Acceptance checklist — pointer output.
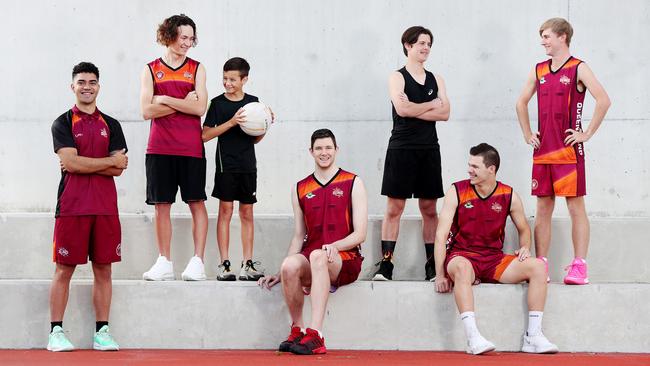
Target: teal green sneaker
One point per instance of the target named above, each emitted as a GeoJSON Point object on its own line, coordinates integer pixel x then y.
{"type": "Point", "coordinates": [58, 342]}
{"type": "Point", "coordinates": [103, 340]}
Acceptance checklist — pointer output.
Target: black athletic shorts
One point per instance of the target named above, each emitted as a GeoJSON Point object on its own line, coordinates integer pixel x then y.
{"type": "Point", "coordinates": [240, 187]}
{"type": "Point", "coordinates": [165, 173]}
{"type": "Point", "coordinates": [412, 173]}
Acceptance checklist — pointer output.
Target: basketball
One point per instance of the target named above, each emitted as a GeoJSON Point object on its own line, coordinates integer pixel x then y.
{"type": "Point", "coordinates": [258, 119]}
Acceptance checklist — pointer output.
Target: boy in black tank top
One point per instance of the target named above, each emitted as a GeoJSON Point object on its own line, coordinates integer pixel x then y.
{"type": "Point", "coordinates": [412, 166]}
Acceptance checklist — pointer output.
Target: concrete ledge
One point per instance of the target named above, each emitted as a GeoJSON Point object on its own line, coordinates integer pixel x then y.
{"type": "Point", "coordinates": [364, 315]}
{"type": "Point", "coordinates": [617, 253]}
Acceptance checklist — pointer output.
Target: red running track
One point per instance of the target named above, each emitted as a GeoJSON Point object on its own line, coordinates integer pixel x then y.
{"type": "Point", "coordinates": [352, 358]}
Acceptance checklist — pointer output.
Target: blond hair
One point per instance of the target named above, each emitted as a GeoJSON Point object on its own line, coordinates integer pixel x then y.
{"type": "Point", "coordinates": [558, 26]}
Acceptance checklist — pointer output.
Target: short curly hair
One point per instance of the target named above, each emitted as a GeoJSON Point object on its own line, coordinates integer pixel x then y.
{"type": "Point", "coordinates": [168, 29]}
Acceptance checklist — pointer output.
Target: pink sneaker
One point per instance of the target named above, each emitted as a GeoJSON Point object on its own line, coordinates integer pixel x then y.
{"type": "Point", "coordinates": [577, 272]}
{"type": "Point", "coordinates": [545, 260]}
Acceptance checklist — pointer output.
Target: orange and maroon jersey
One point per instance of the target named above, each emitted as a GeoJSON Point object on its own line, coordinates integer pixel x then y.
{"type": "Point", "coordinates": [177, 133]}
{"type": "Point", "coordinates": [94, 136]}
{"type": "Point", "coordinates": [327, 211]}
{"type": "Point", "coordinates": [559, 104]}
{"type": "Point", "coordinates": [479, 223]}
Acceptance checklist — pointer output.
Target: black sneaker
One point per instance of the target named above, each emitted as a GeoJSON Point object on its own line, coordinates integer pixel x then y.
{"type": "Point", "coordinates": [294, 337]}
{"type": "Point", "coordinates": [224, 273]}
{"type": "Point", "coordinates": [430, 270]}
{"type": "Point", "coordinates": [385, 272]}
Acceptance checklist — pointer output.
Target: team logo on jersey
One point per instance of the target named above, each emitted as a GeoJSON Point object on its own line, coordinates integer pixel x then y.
{"type": "Point", "coordinates": [118, 250]}
{"type": "Point", "coordinates": [310, 195]}
{"type": "Point", "coordinates": [79, 135]}
{"type": "Point", "coordinates": [103, 133]}
{"type": "Point", "coordinates": [430, 92]}
{"type": "Point", "coordinates": [496, 207]}
{"type": "Point", "coordinates": [535, 184]}
{"type": "Point", "coordinates": [469, 205]}
{"type": "Point", "coordinates": [565, 80]}
{"type": "Point", "coordinates": [337, 192]}
{"type": "Point", "coordinates": [187, 75]}
{"type": "Point", "coordinates": [63, 252]}
{"type": "Point", "coordinates": [542, 80]}
{"type": "Point", "coordinates": [160, 74]}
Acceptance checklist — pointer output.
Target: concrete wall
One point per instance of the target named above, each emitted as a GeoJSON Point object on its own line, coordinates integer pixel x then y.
{"type": "Point", "coordinates": [327, 66]}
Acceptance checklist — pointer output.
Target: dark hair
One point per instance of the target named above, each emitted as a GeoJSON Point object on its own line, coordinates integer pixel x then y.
{"type": "Point", "coordinates": [489, 154]}
{"type": "Point", "coordinates": [412, 34]}
{"type": "Point", "coordinates": [237, 64]}
{"type": "Point", "coordinates": [322, 133]}
{"type": "Point", "coordinates": [168, 29]}
{"type": "Point", "coordinates": [85, 67]}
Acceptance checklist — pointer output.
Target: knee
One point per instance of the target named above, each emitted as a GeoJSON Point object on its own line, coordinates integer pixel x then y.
{"type": "Point", "coordinates": [394, 211]}
{"type": "Point", "coordinates": [462, 272]}
{"type": "Point", "coordinates": [102, 272]}
{"type": "Point", "coordinates": [290, 268]}
{"type": "Point", "coordinates": [536, 268]}
{"type": "Point", "coordinates": [575, 208]}
{"type": "Point", "coordinates": [318, 259]}
{"type": "Point", "coordinates": [163, 208]}
{"type": "Point", "coordinates": [64, 273]}
{"type": "Point", "coordinates": [246, 213]}
{"type": "Point", "coordinates": [429, 210]}
{"type": "Point", "coordinates": [225, 211]}
{"type": "Point", "coordinates": [545, 206]}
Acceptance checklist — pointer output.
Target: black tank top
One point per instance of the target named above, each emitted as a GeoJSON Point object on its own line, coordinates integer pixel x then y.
{"type": "Point", "coordinates": [410, 132]}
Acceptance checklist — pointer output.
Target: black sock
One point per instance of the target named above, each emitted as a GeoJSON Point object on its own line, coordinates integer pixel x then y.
{"type": "Point", "coordinates": [387, 248]}
{"type": "Point", "coordinates": [54, 324]}
{"type": "Point", "coordinates": [99, 325]}
{"type": "Point", "coordinates": [428, 247]}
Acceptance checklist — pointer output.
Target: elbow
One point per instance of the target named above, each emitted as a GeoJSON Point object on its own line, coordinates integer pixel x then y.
{"type": "Point", "coordinates": [402, 112]}
{"type": "Point", "coordinates": [445, 117]}
{"type": "Point", "coordinates": [146, 115]}
{"type": "Point", "coordinates": [606, 103]}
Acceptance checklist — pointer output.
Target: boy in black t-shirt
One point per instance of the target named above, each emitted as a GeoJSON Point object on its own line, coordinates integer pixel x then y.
{"type": "Point", "coordinates": [235, 178]}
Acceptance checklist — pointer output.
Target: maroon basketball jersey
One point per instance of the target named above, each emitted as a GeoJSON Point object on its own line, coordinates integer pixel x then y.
{"type": "Point", "coordinates": [560, 106]}
{"type": "Point", "coordinates": [327, 211]}
{"type": "Point", "coordinates": [479, 223]}
{"type": "Point", "coordinates": [177, 133]}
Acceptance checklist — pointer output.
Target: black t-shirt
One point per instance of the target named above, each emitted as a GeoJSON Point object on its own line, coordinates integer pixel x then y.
{"type": "Point", "coordinates": [235, 149]}
{"type": "Point", "coordinates": [410, 132]}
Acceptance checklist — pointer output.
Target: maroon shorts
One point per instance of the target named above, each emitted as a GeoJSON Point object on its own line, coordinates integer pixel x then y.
{"type": "Point", "coordinates": [76, 238]}
{"type": "Point", "coordinates": [350, 269]}
{"type": "Point", "coordinates": [487, 268]}
{"type": "Point", "coordinates": [566, 180]}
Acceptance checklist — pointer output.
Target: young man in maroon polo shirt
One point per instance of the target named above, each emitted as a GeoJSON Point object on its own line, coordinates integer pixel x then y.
{"type": "Point", "coordinates": [330, 209]}
{"type": "Point", "coordinates": [92, 150]}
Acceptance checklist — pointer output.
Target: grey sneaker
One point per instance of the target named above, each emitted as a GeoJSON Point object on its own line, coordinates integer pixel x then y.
{"type": "Point", "coordinates": [224, 273]}
{"type": "Point", "coordinates": [248, 271]}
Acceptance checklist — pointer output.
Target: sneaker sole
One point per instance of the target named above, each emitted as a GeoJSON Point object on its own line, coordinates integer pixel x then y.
{"type": "Point", "coordinates": [98, 347]}
{"type": "Point", "coordinates": [163, 278]}
{"type": "Point", "coordinates": [59, 349]}
{"type": "Point", "coordinates": [576, 281]}
{"type": "Point", "coordinates": [229, 278]}
{"type": "Point", "coordinates": [380, 277]}
{"type": "Point", "coordinates": [246, 278]}
{"type": "Point", "coordinates": [530, 349]}
{"type": "Point", "coordinates": [482, 351]}
{"type": "Point", "coordinates": [188, 278]}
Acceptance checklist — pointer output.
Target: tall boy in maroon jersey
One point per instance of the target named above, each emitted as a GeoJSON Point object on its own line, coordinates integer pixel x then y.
{"type": "Point", "coordinates": [472, 225]}
{"type": "Point", "coordinates": [173, 95]}
{"type": "Point", "coordinates": [92, 150]}
{"type": "Point", "coordinates": [559, 157]}
{"type": "Point", "coordinates": [331, 217]}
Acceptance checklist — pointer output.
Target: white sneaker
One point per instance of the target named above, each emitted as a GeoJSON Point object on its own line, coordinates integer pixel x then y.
{"type": "Point", "coordinates": [162, 270]}
{"type": "Point", "coordinates": [538, 344]}
{"type": "Point", "coordinates": [478, 345]}
{"type": "Point", "coordinates": [195, 270]}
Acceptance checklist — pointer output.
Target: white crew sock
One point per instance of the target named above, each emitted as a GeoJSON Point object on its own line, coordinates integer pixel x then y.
{"type": "Point", "coordinates": [469, 321]}
{"type": "Point", "coordinates": [534, 323]}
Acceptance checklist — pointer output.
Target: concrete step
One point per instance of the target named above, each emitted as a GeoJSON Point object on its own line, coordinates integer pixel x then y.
{"type": "Point", "coordinates": [364, 315]}
{"type": "Point", "coordinates": [617, 253]}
